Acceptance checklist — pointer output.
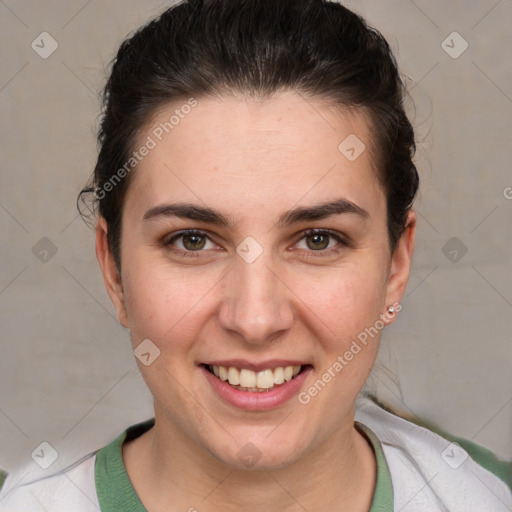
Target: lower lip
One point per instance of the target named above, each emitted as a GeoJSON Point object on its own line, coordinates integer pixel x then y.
{"type": "Point", "coordinates": [257, 400]}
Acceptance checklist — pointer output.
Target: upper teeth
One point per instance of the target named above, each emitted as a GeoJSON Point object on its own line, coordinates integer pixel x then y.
{"type": "Point", "coordinates": [266, 379]}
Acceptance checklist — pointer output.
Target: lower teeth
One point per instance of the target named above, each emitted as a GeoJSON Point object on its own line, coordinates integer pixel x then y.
{"type": "Point", "coordinates": [252, 390]}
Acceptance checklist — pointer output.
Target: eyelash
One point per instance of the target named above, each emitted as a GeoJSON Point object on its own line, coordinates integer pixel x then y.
{"type": "Point", "coordinates": [168, 242]}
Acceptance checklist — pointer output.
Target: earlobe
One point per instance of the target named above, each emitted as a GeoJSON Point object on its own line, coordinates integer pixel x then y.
{"type": "Point", "coordinates": [109, 270]}
{"type": "Point", "coordinates": [401, 265]}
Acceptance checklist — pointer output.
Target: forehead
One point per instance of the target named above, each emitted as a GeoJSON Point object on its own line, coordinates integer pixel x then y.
{"type": "Point", "coordinates": [234, 153]}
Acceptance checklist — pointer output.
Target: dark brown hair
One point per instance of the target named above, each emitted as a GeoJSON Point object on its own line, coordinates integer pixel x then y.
{"type": "Point", "coordinates": [257, 48]}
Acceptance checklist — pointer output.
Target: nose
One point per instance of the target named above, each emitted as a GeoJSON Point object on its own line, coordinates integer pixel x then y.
{"type": "Point", "coordinates": [256, 304]}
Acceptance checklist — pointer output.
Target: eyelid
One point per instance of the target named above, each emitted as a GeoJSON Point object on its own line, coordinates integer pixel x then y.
{"type": "Point", "coordinates": [167, 239]}
{"type": "Point", "coordinates": [323, 231]}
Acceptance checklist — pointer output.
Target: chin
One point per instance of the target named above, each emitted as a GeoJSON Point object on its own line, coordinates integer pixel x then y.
{"type": "Point", "coordinates": [259, 452]}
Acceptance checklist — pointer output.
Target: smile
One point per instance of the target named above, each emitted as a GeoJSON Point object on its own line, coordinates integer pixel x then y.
{"type": "Point", "coordinates": [244, 379]}
{"type": "Point", "coordinates": [256, 386]}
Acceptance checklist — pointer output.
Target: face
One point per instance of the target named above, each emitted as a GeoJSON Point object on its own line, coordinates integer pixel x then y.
{"type": "Point", "coordinates": [254, 248]}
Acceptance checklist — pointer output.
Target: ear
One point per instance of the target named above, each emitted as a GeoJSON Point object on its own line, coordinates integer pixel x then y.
{"type": "Point", "coordinates": [401, 260]}
{"type": "Point", "coordinates": [111, 276]}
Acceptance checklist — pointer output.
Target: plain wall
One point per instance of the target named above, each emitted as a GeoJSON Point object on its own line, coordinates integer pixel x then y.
{"type": "Point", "coordinates": [67, 373]}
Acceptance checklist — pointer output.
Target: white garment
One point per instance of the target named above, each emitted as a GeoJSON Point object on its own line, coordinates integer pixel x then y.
{"type": "Point", "coordinates": [72, 490]}
{"type": "Point", "coordinates": [423, 479]}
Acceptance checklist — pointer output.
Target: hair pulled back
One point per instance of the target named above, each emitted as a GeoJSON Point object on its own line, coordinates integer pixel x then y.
{"type": "Point", "coordinates": [256, 48]}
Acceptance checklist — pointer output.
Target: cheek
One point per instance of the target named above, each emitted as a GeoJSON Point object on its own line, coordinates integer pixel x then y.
{"type": "Point", "coordinates": [170, 305]}
{"type": "Point", "coordinates": [166, 303]}
{"type": "Point", "coordinates": [346, 300]}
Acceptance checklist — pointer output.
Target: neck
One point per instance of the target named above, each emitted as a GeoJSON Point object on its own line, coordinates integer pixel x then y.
{"type": "Point", "coordinates": [171, 472]}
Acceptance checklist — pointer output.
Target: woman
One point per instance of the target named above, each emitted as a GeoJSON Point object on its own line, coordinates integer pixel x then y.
{"type": "Point", "coordinates": [254, 188]}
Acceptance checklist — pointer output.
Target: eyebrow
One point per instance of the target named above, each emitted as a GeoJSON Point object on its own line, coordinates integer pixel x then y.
{"type": "Point", "coordinates": [294, 216]}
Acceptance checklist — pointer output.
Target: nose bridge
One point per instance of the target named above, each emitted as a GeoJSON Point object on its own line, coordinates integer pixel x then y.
{"type": "Point", "coordinates": [256, 304]}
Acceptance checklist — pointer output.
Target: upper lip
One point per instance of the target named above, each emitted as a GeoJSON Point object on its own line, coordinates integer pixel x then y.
{"type": "Point", "coordinates": [255, 367]}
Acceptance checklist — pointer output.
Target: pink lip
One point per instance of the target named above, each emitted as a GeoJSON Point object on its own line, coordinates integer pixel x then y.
{"type": "Point", "coordinates": [256, 401]}
{"type": "Point", "coordinates": [255, 367]}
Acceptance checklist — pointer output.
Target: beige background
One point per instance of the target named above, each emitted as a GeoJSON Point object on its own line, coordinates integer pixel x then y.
{"type": "Point", "coordinates": [67, 374]}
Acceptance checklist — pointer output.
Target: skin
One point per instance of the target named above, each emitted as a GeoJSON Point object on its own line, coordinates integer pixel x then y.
{"type": "Point", "coordinates": [253, 161]}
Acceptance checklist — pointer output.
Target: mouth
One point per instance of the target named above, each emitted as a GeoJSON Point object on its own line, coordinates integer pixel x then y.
{"type": "Point", "coordinates": [245, 379]}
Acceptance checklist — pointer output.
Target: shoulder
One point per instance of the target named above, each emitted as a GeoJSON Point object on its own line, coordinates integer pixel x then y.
{"type": "Point", "coordinates": [432, 470]}
{"type": "Point", "coordinates": [70, 489]}
{"type": "Point", "coordinates": [96, 482]}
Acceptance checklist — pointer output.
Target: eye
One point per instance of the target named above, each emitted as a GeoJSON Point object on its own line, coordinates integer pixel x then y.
{"type": "Point", "coordinates": [194, 242]}
{"type": "Point", "coordinates": [320, 240]}
{"type": "Point", "coordinates": [190, 241]}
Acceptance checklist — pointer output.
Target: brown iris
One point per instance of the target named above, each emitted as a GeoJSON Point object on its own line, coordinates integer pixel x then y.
{"type": "Point", "coordinates": [319, 241]}
{"type": "Point", "coordinates": [193, 242]}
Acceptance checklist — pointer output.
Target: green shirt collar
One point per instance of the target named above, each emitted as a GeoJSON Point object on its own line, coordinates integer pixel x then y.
{"type": "Point", "coordinates": [115, 490]}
